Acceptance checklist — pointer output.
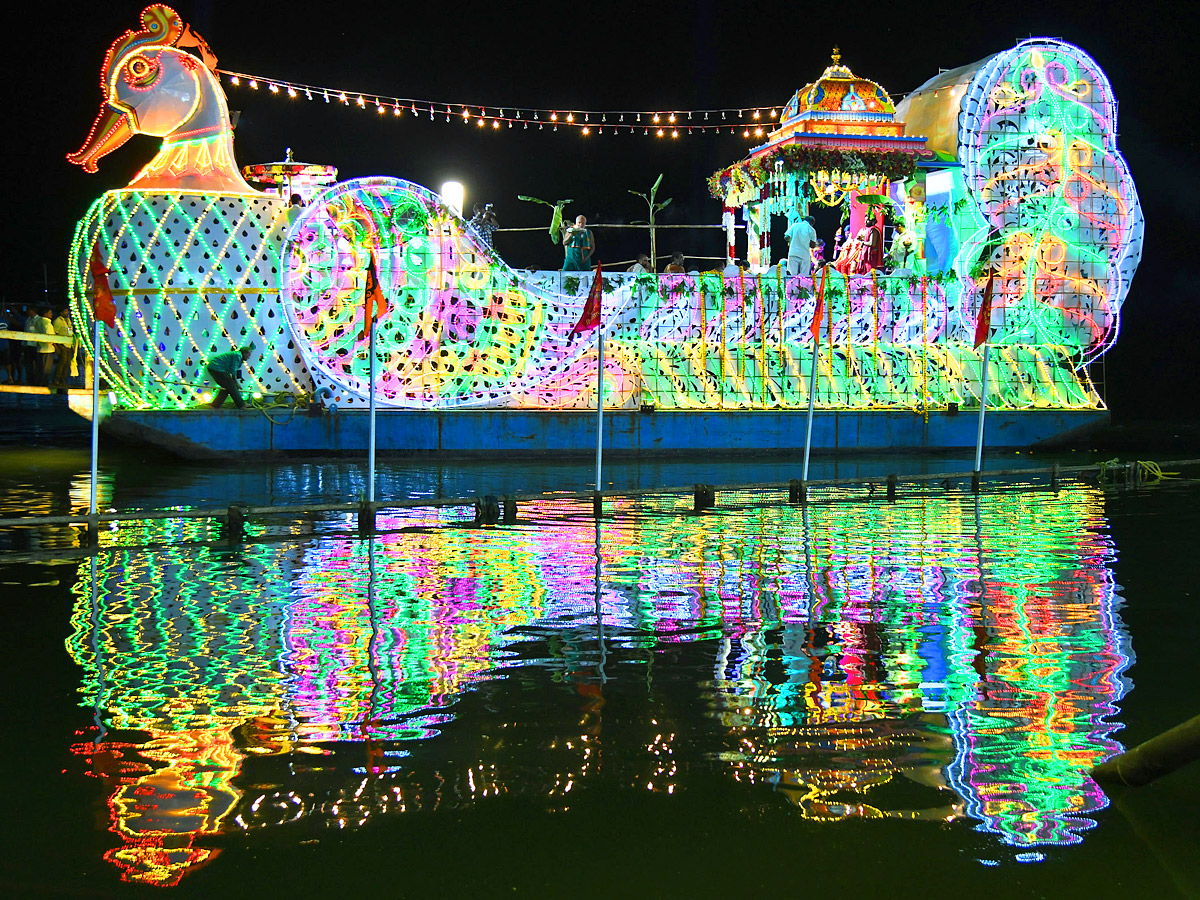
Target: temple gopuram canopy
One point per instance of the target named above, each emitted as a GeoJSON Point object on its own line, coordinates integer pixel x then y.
{"type": "Point", "coordinates": [836, 136]}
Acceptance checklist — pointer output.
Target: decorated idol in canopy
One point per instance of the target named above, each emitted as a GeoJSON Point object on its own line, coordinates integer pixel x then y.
{"type": "Point", "coordinates": [837, 138]}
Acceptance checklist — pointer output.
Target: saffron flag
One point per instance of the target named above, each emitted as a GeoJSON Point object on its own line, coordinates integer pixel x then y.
{"type": "Point", "coordinates": [189, 40]}
{"type": "Point", "coordinates": [103, 307]}
{"type": "Point", "coordinates": [819, 312]}
{"type": "Point", "coordinates": [374, 303]}
{"type": "Point", "coordinates": [983, 324]}
{"type": "Point", "coordinates": [591, 310]}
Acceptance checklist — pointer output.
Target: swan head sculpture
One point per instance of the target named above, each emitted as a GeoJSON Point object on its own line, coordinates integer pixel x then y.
{"type": "Point", "coordinates": [153, 86]}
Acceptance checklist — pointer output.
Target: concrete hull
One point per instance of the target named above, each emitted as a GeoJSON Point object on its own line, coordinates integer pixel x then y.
{"type": "Point", "coordinates": [206, 434]}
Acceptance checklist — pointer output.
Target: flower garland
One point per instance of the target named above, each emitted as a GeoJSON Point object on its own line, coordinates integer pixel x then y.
{"type": "Point", "coordinates": [889, 164]}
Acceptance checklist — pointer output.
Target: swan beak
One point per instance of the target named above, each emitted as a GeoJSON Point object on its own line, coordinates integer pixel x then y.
{"type": "Point", "coordinates": [112, 129]}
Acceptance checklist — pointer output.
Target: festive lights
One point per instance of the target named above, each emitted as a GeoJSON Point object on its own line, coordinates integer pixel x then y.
{"type": "Point", "coordinates": [201, 269]}
{"type": "Point", "coordinates": [1058, 219]}
{"type": "Point", "coordinates": [510, 114]}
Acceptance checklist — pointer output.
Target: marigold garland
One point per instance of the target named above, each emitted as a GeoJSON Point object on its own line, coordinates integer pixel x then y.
{"type": "Point", "coordinates": [890, 164]}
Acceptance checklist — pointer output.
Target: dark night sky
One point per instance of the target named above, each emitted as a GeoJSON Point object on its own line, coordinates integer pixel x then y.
{"type": "Point", "coordinates": [616, 55]}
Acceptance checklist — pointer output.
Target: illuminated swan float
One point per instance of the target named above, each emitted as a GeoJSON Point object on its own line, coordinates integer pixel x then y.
{"type": "Point", "coordinates": [202, 262]}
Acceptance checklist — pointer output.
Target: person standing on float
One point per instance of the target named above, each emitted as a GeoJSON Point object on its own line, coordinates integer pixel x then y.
{"type": "Point", "coordinates": [802, 237]}
{"type": "Point", "coordinates": [577, 239]}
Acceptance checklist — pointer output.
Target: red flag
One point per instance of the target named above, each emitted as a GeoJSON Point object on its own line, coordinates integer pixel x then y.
{"type": "Point", "coordinates": [103, 307]}
{"type": "Point", "coordinates": [983, 324]}
{"type": "Point", "coordinates": [591, 310]}
{"type": "Point", "coordinates": [819, 313]}
{"type": "Point", "coordinates": [374, 303]}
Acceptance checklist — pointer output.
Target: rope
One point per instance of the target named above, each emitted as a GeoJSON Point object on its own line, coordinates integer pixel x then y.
{"type": "Point", "coordinates": [279, 400]}
{"type": "Point", "coordinates": [1149, 472]}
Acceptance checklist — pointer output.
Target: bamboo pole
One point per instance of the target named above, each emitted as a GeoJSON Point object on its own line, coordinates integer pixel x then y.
{"type": "Point", "coordinates": [1156, 757]}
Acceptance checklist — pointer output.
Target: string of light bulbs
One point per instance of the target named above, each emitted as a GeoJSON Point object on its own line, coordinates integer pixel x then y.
{"type": "Point", "coordinates": [750, 121]}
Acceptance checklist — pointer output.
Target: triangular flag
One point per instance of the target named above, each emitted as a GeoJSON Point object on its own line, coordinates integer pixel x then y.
{"type": "Point", "coordinates": [103, 307]}
{"type": "Point", "coordinates": [819, 313]}
{"type": "Point", "coordinates": [190, 40]}
{"type": "Point", "coordinates": [591, 310]}
{"type": "Point", "coordinates": [374, 303]}
{"type": "Point", "coordinates": [983, 324]}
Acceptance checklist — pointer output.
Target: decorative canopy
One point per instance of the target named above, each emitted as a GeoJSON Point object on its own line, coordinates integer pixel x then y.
{"type": "Point", "coordinates": [839, 132]}
{"type": "Point", "coordinates": [837, 98]}
{"type": "Point", "coordinates": [287, 175]}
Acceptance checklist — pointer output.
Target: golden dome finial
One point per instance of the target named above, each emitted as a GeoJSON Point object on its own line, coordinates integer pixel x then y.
{"type": "Point", "coordinates": [837, 56]}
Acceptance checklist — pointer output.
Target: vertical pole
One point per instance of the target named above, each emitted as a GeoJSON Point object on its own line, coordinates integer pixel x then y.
{"type": "Point", "coordinates": [371, 438]}
{"type": "Point", "coordinates": [812, 396]}
{"type": "Point", "coordinates": [724, 346]}
{"type": "Point", "coordinates": [875, 314]}
{"type": "Point", "coordinates": [983, 380]}
{"type": "Point", "coordinates": [101, 688]}
{"type": "Point", "coordinates": [782, 303]}
{"type": "Point", "coordinates": [730, 247]}
{"type": "Point", "coordinates": [600, 398]}
{"type": "Point", "coordinates": [762, 338]}
{"type": "Point", "coordinates": [95, 415]}
{"type": "Point", "coordinates": [925, 354]}
{"type": "Point", "coordinates": [599, 608]}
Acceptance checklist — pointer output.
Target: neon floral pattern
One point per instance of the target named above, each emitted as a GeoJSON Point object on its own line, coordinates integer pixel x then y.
{"type": "Point", "coordinates": [1060, 219]}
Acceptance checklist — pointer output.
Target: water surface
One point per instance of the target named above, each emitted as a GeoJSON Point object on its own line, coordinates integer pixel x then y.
{"type": "Point", "coordinates": [847, 696]}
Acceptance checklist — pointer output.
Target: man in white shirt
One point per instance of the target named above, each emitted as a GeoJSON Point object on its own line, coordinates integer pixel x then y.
{"type": "Point", "coordinates": [642, 266]}
{"type": "Point", "coordinates": [802, 237]}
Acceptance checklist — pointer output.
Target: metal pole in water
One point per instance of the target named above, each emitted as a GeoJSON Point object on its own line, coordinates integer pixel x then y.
{"type": "Point", "coordinates": [95, 415]}
{"type": "Point", "coordinates": [812, 396]}
{"type": "Point", "coordinates": [599, 401]}
{"type": "Point", "coordinates": [982, 410]}
{"type": "Point", "coordinates": [101, 689]}
{"type": "Point", "coordinates": [816, 353]}
{"type": "Point", "coordinates": [599, 608]}
{"type": "Point", "coordinates": [371, 438]}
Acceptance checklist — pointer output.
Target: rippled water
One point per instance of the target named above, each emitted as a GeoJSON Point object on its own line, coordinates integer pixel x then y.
{"type": "Point", "coordinates": [851, 693]}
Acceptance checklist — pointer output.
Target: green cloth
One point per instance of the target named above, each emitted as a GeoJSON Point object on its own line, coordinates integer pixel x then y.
{"type": "Point", "coordinates": [225, 363]}
{"type": "Point", "coordinates": [579, 246]}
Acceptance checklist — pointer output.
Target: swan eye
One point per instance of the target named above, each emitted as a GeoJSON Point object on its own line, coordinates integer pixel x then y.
{"type": "Point", "coordinates": [140, 71]}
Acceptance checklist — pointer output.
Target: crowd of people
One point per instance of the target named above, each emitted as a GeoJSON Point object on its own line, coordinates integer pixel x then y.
{"type": "Point", "coordinates": [853, 254]}
{"type": "Point", "coordinates": [38, 363]}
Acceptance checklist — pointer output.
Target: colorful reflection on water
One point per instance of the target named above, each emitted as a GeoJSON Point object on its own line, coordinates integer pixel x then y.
{"type": "Point", "coordinates": [946, 658]}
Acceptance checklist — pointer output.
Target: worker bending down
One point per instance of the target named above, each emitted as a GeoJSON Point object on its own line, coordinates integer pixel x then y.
{"type": "Point", "coordinates": [223, 369]}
